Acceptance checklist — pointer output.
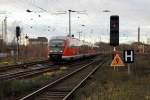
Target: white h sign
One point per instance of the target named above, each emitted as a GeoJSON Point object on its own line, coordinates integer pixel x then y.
{"type": "Point", "coordinates": [128, 56]}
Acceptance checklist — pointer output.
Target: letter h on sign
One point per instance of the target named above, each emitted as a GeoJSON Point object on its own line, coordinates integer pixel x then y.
{"type": "Point", "coordinates": [128, 56]}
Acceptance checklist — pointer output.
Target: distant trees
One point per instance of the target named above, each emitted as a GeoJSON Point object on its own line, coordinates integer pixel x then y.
{"type": "Point", "coordinates": [105, 47]}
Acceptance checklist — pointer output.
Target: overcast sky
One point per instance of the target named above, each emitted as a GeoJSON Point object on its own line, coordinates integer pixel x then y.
{"type": "Point", "coordinates": [132, 13]}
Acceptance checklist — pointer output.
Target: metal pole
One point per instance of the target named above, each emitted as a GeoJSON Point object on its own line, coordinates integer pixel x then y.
{"type": "Point", "coordinates": [79, 35]}
{"type": "Point", "coordinates": [139, 34]}
{"type": "Point", "coordinates": [20, 49]}
{"type": "Point", "coordinates": [129, 70]}
{"type": "Point", "coordinates": [17, 48]}
{"type": "Point", "coordinates": [26, 39]}
{"type": "Point", "coordinates": [114, 68]}
{"type": "Point", "coordinates": [5, 28]}
{"type": "Point", "coordinates": [84, 36]}
{"type": "Point", "coordinates": [69, 23]}
{"type": "Point", "coordinates": [2, 35]}
{"type": "Point", "coordinates": [2, 29]}
{"type": "Point", "coordinates": [114, 52]}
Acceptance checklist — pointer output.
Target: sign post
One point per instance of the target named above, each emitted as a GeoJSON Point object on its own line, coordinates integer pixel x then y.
{"type": "Point", "coordinates": [129, 70]}
{"type": "Point", "coordinates": [128, 56]}
{"type": "Point", "coordinates": [114, 40]}
{"type": "Point", "coordinates": [18, 32]}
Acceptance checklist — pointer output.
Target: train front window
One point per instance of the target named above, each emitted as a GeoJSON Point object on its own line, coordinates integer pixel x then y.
{"type": "Point", "coordinates": [57, 45]}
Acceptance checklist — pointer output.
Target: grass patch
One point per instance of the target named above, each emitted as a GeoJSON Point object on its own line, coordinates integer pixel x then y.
{"type": "Point", "coordinates": [108, 84]}
{"type": "Point", "coordinates": [131, 89]}
{"type": "Point", "coordinates": [18, 87]}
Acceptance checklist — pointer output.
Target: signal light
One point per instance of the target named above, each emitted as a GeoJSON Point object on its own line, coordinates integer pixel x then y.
{"type": "Point", "coordinates": [114, 30]}
{"type": "Point", "coordinates": [28, 10]}
{"type": "Point", "coordinates": [18, 31]}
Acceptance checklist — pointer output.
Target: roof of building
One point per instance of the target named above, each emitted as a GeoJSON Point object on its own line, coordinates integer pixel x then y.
{"type": "Point", "coordinates": [43, 39]}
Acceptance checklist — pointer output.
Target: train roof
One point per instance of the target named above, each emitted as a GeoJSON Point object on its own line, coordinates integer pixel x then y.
{"type": "Point", "coordinates": [59, 37]}
{"type": "Point", "coordinates": [72, 38]}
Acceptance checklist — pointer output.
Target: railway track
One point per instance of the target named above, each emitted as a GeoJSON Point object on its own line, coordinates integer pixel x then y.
{"type": "Point", "coordinates": [11, 67]}
{"type": "Point", "coordinates": [63, 88]}
{"type": "Point", "coordinates": [26, 73]}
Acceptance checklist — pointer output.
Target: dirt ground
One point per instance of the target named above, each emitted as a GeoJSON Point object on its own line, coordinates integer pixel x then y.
{"type": "Point", "coordinates": [110, 84]}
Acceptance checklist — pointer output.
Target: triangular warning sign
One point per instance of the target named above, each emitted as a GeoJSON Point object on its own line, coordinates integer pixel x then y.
{"type": "Point", "coordinates": [117, 61]}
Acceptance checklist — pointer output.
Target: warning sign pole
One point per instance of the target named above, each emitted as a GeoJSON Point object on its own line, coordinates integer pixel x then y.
{"type": "Point", "coordinates": [114, 68]}
{"type": "Point", "coordinates": [114, 54]}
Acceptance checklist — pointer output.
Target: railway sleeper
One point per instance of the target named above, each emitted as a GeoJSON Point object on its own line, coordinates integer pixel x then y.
{"type": "Point", "coordinates": [54, 93]}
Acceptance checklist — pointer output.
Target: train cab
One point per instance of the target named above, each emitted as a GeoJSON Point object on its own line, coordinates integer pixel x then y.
{"type": "Point", "coordinates": [56, 48]}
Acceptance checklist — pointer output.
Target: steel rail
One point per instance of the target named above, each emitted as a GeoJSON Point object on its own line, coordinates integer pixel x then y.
{"type": "Point", "coordinates": [26, 73]}
{"type": "Point", "coordinates": [67, 97]}
{"type": "Point", "coordinates": [5, 68]}
{"type": "Point", "coordinates": [31, 95]}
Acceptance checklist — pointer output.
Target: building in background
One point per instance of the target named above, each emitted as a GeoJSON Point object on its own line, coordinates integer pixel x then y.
{"type": "Point", "coordinates": [37, 47]}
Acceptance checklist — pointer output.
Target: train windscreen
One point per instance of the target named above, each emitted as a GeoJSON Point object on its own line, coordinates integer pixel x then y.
{"type": "Point", "coordinates": [56, 45]}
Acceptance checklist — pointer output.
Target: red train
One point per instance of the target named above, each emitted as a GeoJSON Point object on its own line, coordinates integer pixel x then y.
{"type": "Point", "coordinates": [69, 48]}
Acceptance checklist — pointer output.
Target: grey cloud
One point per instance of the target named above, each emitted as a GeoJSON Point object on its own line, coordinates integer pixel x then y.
{"type": "Point", "coordinates": [133, 13]}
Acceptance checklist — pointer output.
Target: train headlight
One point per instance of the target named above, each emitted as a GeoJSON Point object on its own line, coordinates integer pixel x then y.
{"type": "Point", "coordinates": [50, 51]}
{"type": "Point", "coordinates": [61, 51]}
